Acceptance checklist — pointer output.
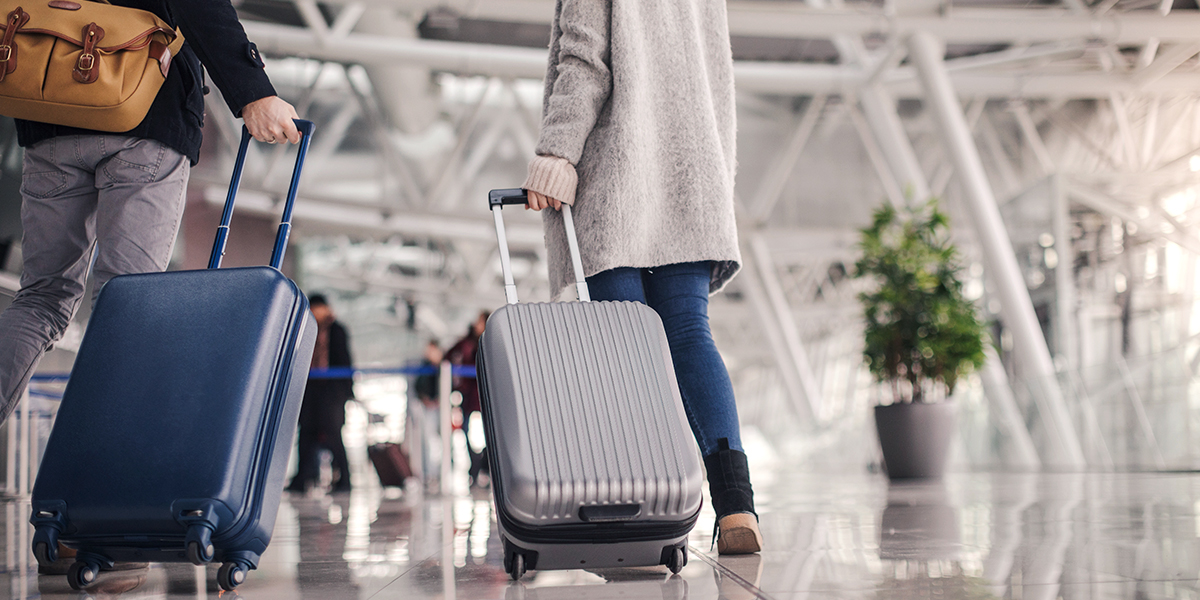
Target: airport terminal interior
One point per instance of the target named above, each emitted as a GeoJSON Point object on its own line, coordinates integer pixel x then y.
{"type": "Point", "coordinates": [1060, 137]}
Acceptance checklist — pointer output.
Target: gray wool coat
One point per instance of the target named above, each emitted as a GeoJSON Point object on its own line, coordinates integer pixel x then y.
{"type": "Point", "coordinates": [640, 101]}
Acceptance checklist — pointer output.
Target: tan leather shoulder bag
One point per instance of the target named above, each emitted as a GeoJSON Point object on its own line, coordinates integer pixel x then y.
{"type": "Point", "coordinates": [82, 64]}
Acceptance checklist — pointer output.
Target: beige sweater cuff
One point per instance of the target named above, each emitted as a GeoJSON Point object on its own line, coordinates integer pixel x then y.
{"type": "Point", "coordinates": [552, 176]}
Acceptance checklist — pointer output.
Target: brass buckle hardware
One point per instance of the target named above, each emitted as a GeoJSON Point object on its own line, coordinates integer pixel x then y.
{"type": "Point", "coordinates": [5, 53]}
{"type": "Point", "coordinates": [86, 62]}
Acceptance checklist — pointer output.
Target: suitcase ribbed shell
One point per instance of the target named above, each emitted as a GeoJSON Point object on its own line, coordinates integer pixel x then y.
{"type": "Point", "coordinates": [586, 412]}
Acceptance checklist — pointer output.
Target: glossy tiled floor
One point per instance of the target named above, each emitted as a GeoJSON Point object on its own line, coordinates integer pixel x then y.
{"type": "Point", "coordinates": [974, 536]}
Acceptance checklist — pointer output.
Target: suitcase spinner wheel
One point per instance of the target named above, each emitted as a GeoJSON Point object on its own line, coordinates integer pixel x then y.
{"type": "Point", "coordinates": [678, 559]}
{"type": "Point", "coordinates": [41, 552]}
{"type": "Point", "coordinates": [518, 567]}
{"type": "Point", "coordinates": [82, 574]}
{"type": "Point", "coordinates": [514, 562]}
{"type": "Point", "coordinates": [231, 575]}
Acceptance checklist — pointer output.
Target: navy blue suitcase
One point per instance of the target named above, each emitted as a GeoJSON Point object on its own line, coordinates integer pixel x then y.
{"type": "Point", "coordinates": [172, 440]}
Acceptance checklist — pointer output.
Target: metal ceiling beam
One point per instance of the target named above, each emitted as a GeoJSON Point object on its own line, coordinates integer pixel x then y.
{"type": "Point", "coordinates": [761, 77]}
{"type": "Point", "coordinates": [962, 25]}
{"type": "Point", "coordinates": [362, 48]}
{"type": "Point", "coordinates": [791, 20]}
{"type": "Point", "coordinates": [787, 245]}
{"type": "Point", "coordinates": [365, 219]}
{"type": "Point", "coordinates": [807, 79]}
{"type": "Point", "coordinates": [1167, 62]}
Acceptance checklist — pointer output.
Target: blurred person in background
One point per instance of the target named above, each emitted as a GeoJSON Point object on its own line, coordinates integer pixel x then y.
{"type": "Point", "coordinates": [323, 412]}
{"type": "Point", "coordinates": [462, 353]}
{"type": "Point", "coordinates": [427, 390]}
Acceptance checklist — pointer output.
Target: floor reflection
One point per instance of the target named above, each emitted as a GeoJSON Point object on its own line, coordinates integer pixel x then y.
{"type": "Point", "coordinates": [846, 536]}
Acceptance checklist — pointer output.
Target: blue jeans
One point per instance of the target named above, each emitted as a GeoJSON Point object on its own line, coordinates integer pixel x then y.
{"type": "Point", "coordinates": [679, 294]}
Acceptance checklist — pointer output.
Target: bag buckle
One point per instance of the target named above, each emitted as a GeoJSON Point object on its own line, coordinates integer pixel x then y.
{"type": "Point", "coordinates": [86, 62]}
{"type": "Point", "coordinates": [5, 53]}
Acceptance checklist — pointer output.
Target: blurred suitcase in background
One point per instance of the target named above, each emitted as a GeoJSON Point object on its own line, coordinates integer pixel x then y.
{"type": "Point", "coordinates": [391, 462]}
{"type": "Point", "coordinates": [593, 462]}
{"type": "Point", "coordinates": [176, 425]}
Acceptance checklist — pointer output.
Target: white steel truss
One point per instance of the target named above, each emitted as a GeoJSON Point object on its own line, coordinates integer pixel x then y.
{"type": "Point", "coordinates": [1101, 100]}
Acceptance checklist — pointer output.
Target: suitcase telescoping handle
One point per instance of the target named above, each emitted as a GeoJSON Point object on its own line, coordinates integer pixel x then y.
{"type": "Point", "coordinates": [285, 224]}
{"type": "Point", "coordinates": [496, 201]}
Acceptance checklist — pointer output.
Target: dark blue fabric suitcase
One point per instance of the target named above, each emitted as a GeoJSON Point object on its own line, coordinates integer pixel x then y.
{"type": "Point", "coordinates": [173, 436]}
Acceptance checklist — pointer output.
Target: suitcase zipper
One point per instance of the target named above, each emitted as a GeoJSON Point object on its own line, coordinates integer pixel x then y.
{"type": "Point", "coordinates": [597, 533]}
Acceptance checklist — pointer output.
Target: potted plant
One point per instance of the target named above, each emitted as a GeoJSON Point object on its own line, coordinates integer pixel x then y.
{"type": "Point", "coordinates": [921, 334]}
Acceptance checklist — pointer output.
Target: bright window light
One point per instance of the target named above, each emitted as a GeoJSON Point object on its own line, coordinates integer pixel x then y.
{"type": "Point", "coordinates": [1178, 204]}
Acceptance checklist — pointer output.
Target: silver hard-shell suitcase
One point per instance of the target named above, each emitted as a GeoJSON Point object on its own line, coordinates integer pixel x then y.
{"type": "Point", "coordinates": [592, 460]}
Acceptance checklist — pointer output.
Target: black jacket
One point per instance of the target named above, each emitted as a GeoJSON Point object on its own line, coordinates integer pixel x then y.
{"type": "Point", "coordinates": [214, 37]}
{"type": "Point", "coordinates": [324, 405]}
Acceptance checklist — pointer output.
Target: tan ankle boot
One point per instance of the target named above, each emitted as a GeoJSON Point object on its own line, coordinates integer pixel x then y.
{"type": "Point", "coordinates": [739, 534]}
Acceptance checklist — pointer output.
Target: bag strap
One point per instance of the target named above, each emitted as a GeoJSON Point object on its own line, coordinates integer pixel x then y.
{"type": "Point", "coordinates": [85, 68]}
{"type": "Point", "coordinates": [163, 53]}
{"type": "Point", "coordinates": [8, 46]}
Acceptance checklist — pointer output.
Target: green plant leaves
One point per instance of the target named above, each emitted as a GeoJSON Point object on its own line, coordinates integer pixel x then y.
{"type": "Point", "coordinates": [919, 327]}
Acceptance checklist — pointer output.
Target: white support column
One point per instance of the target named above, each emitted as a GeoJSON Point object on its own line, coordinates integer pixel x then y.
{"type": "Point", "coordinates": [1065, 333]}
{"type": "Point", "coordinates": [1150, 133]}
{"type": "Point", "coordinates": [1029, 130]}
{"type": "Point", "coordinates": [794, 363]}
{"type": "Point", "coordinates": [980, 202]}
{"type": "Point", "coordinates": [880, 110]}
{"type": "Point", "coordinates": [771, 188]}
{"type": "Point", "coordinates": [750, 283]}
{"type": "Point", "coordinates": [886, 177]}
{"type": "Point", "coordinates": [445, 386]}
{"type": "Point", "coordinates": [25, 486]}
{"type": "Point", "coordinates": [10, 535]}
{"type": "Point", "coordinates": [1003, 406]}
{"type": "Point", "coordinates": [405, 91]}
{"type": "Point", "coordinates": [1121, 114]}
{"type": "Point", "coordinates": [879, 106]}
{"type": "Point", "coordinates": [12, 432]}
{"type": "Point", "coordinates": [1000, 157]}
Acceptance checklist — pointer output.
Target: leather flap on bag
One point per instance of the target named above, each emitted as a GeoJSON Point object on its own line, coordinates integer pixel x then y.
{"type": "Point", "coordinates": [124, 28]}
{"type": "Point", "coordinates": [86, 68]}
{"type": "Point", "coordinates": [16, 19]}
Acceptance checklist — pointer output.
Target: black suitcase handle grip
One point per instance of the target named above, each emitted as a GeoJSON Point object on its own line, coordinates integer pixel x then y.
{"type": "Point", "coordinates": [285, 223]}
{"type": "Point", "coordinates": [496, 201]}
{"type": "Point", "coordinates": [507, 196]}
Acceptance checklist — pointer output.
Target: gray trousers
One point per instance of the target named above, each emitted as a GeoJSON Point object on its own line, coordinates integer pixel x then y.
{"type": "Point", "coordinates": [110, 199]}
